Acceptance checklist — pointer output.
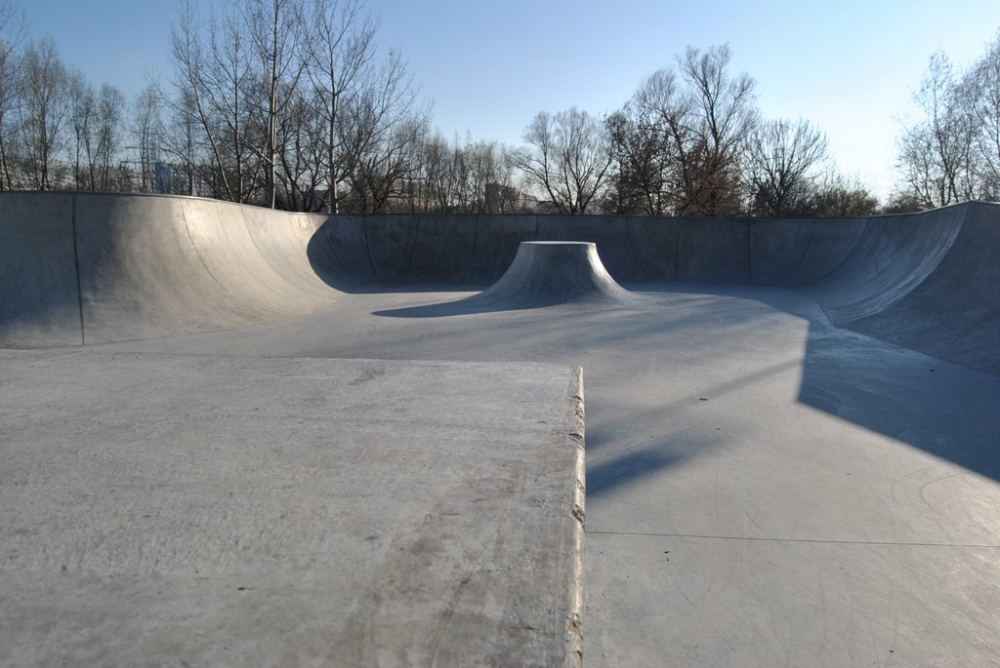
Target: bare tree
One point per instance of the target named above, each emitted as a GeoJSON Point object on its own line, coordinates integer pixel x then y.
{"type": "Point", "coordinates": [12, 31]}
{"type": "Point", "coordinates": [299, 173]}
{"type": "Point", "coordinates": [147, 128]}
{"type": "Point", "coordinates": [710, 139]}
{"type": "Point", "coordinates": [680, 143]}
{"type": "Point", "coordinates": [341, 49]}
{"type": "Point", "coordinates": [983, 84]}
{"type": "Point", "coordinates": [214, 83]}
{"type": "Point", "coordinates": [936, 154]}
{"type": "Point", "coordinates": [474, 177]}
{"type": "Point", "coordinates": [109, 136]}
{"type": "Point", "coordinates": [569, 158]}
{"type": "Point", "coordinates": [275, 30]}
{"type": "Point", "coordinates": [45, 109]}
{"type": "Point", "coordinates": [382, 132]}
{"type": "Point", "coordinates": [644, 160]}
{"type": "Point", "coordinates": [833, 194]}
{"type": "Point", "coordinates": [284, 102]}
{"type": "Point", "coordinates": [82, 103]}
{"type": "Point", "coordinates": [490, 167]}
{"type": "Point", "coordinates": [780, 157]}
{"type": "Point", "coordinates": [441, 183]}
{"type": "Point", "coordinates": [97, 119]}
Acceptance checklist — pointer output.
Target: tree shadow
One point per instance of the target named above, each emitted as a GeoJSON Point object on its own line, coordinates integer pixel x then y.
{"type": "Point", "coordinates": [629, 468]}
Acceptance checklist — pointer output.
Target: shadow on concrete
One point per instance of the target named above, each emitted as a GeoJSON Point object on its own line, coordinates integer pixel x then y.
{"type": "Point", "coordinates": [608, 471]}
{"type": "Point", "coordinates": [943, 409]}
{"type": "Point", "coordinates": [467, 306]}
{"type": "Point", "coordinates": [483, 303]}
{"type": "Point", "coordinates": [630, 467]}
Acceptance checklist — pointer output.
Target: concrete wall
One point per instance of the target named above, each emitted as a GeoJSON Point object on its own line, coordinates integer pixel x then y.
{"type": "Point", "coordinates": [86, 268]}
{"type": "Point", "coordinates": [92, 268]}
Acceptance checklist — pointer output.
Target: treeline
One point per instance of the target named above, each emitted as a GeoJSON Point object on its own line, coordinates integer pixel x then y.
{"type": "Point", "coordinates": [951, 153]}
{"type": "Point", "coordinates": [56, 129]}
{"type": "Point", "coordinates": [291, 104]}
{"type": "Point", "coordinates": [690, 141]}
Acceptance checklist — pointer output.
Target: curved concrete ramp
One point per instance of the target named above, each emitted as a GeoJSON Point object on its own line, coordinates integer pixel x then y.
{"type": "Point", "coordinates": [39, 288]}
{"type": "Point", "coordinates": [91, 268]}
{"type": "Point", "coordinates": [953, 311]}
{"type": "Point", "coordinates": [543, 273]}
{"type": "Point", "coordinates": [925, 281]}
{"type": "Point", "coordinates": [555, 272]}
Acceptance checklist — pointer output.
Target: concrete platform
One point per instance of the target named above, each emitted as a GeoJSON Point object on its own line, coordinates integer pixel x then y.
{"type": "Point", "coordinates": [232, 511]}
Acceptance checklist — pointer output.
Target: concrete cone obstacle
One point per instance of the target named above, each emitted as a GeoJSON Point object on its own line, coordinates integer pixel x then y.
{"type": "Point", "coordinates": [545, 273]}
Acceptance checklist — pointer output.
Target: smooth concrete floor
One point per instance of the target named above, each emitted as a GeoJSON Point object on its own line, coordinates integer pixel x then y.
{"type": "Point", "coordinates": [763, 489]}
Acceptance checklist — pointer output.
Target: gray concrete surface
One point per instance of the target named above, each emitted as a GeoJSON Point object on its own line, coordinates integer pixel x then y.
{"type": "Point", "coordinates": [206, 511]}
{"type": "Point", "coordinates": [765, 487]}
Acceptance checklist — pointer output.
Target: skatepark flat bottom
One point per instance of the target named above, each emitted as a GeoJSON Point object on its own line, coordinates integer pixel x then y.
{"type": "Point", "coordinates": [763, 488]}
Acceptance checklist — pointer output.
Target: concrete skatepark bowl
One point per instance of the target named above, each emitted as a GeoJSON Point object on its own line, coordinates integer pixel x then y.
{"type": "Point", "coordinates": [232, 436]}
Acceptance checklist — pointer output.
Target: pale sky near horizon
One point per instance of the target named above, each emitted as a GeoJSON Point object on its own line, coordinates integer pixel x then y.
{"type": "Point", "coordinates": [849, 67]}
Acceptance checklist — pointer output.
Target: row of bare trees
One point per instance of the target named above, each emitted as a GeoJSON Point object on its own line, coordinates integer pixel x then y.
{"type": "Point", "coordinates": [56, 129]}
{"type": "Point", "coordinates": [286, 103]}
{"type": "Point", "coordinates": [273, 102]}
{"type": "Point", "coordinates": [290, 104]}
{"type": "Point", "coordinates": [951, 153]}
{"type": "Point", "coordinates": [690, 141]}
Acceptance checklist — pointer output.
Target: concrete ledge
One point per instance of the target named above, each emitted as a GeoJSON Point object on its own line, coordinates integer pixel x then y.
{"type": "Point", "coordinates": [160, 509]}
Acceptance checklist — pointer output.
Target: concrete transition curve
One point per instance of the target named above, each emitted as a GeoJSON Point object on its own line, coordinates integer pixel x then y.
{"type": "Point", "coordinates": [81, 268]}
{"type": "Point", "coordinates": [546, 273]}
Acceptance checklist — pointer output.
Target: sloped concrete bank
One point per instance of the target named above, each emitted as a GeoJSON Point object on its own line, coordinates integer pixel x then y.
{"type": "Point", "coordinates": [81, 268]}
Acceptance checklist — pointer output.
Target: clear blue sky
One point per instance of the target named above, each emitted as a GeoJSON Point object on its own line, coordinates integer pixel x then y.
{"type": "Point", "coordinates": [848, 66]}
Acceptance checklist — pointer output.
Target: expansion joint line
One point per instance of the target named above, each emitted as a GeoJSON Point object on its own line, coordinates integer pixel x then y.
{"type": "Point", "coordinates": [76, 264]}
{"type": "Point", "coordinates": [794, 540]}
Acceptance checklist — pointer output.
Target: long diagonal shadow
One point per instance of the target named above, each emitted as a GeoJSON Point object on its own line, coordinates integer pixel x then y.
{"type": "Point", "coordinates": [945, 410]}
{"type": "Point", "coordinates": [940, 408]}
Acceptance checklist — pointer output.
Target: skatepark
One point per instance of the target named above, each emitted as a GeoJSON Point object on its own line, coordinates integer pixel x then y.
{"type": "Point", "coordinates": [235, 436]}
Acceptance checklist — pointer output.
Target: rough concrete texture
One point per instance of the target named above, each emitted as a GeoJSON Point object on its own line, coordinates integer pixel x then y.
{"type": "Point", "coordinates": [764, 486]}
{"type": "Point", "coordinates": [176, 510]}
